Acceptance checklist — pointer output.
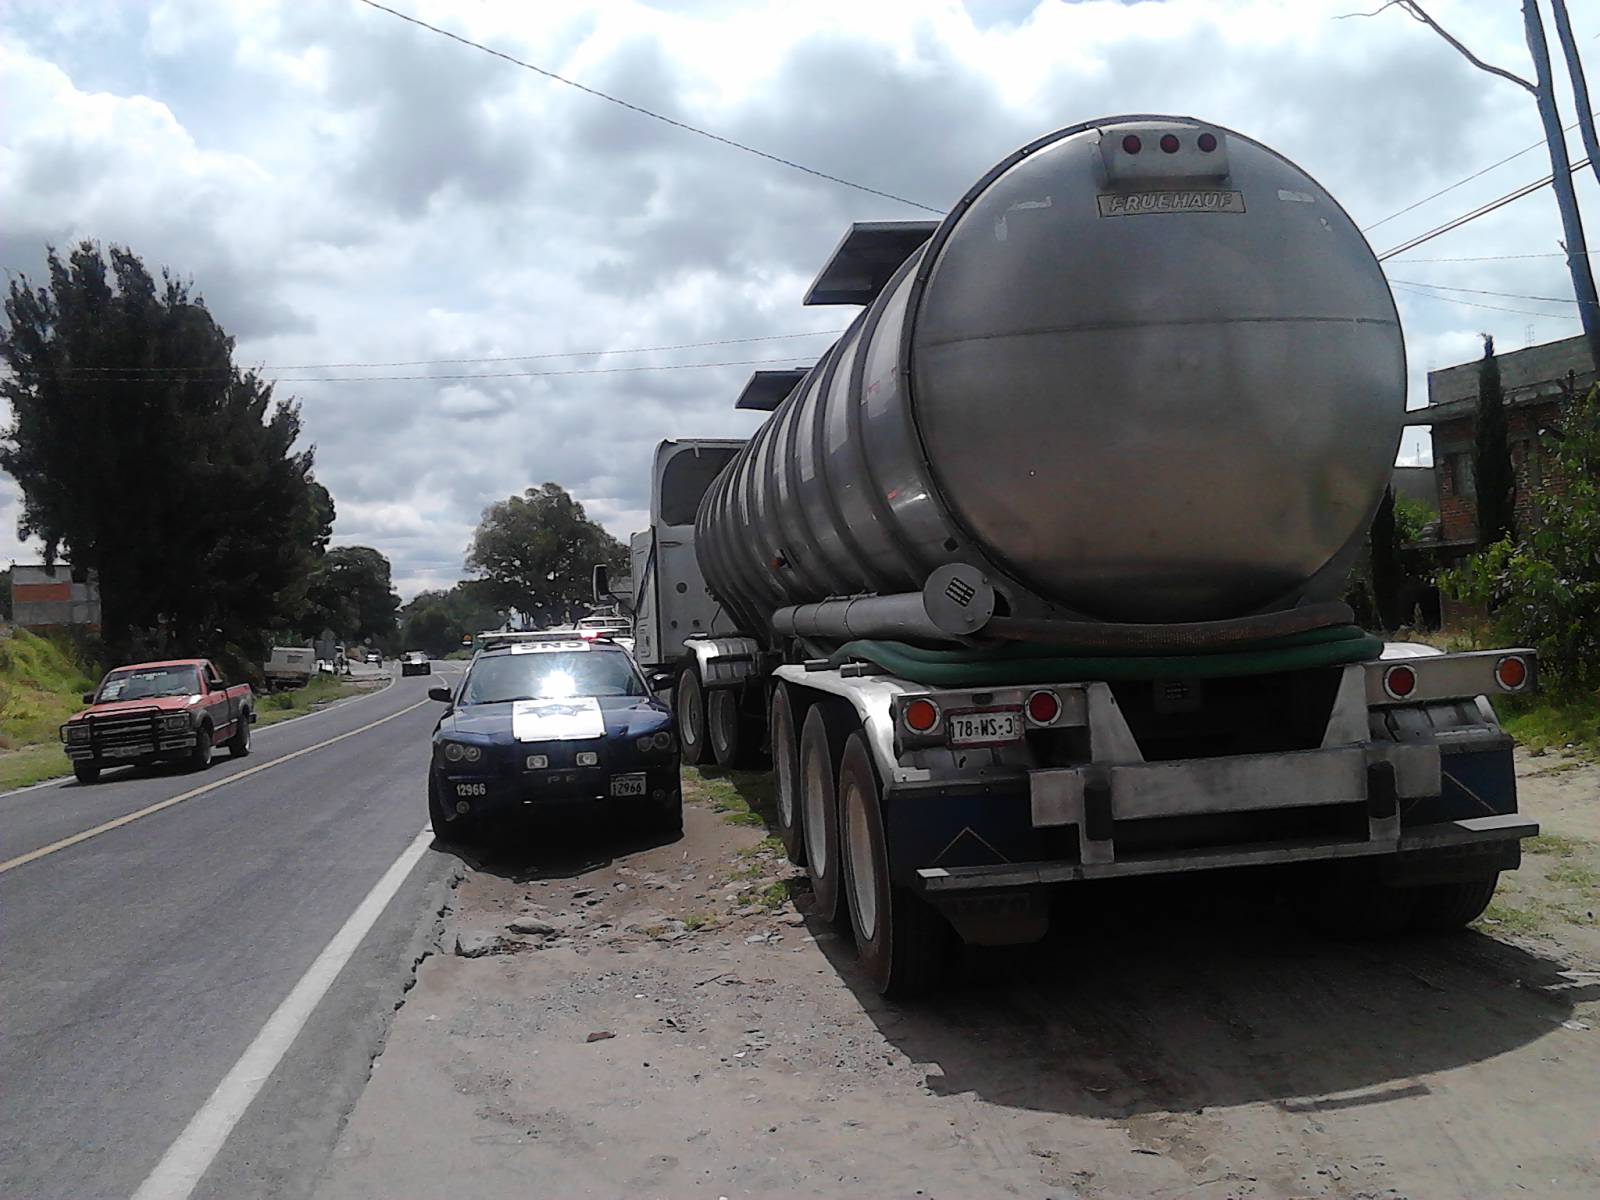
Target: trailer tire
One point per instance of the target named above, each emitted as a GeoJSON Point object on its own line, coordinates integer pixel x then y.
{"type": "Point", "coordinates": [822, 737]}
{"type": "Point", "coordinates": [902, 942]}
{"type": "Point", "coordinates": [1350, 904]}
{"type": "Point", "coordinates": [689, 702]}
{"type": "Point", "coordinates": [86, 772]}
{"type": "Point", "coordinates": [786, 772]}
{"type": "Point", "coordinates": [1441, 907]}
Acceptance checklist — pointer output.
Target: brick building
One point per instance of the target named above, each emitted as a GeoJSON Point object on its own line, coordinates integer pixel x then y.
{"type": "Point", "coordinates": [1535, 383]}
{"type": "Point", "coordinates": [55, 599]}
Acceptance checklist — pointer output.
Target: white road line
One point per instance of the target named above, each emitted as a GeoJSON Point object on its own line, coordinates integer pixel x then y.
{"type": "Point", "coordinates": [188, 1158]}
{"type": "Point", "coordinates": [12, 864]}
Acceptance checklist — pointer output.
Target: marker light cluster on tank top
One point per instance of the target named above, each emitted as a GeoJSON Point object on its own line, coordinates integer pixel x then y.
{"type": "Point", "coordinates": [1207, 142]}
{"type": "Point", "coordinates": [1131, 144]}
{"type": "Point", "coordinates": [1169, 143]}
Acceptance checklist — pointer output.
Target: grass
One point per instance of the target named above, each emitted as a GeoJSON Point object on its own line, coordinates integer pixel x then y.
{"type": "Point", "coordinates": [31, 765]}
{"type": "Point", "coordinates": [280, 706]}
{"type": "Point", "coordinates": [1552, 844]}
{"type": "Point", "coordinates": [1545, 722]}
{"type": "Point", "coordinates": [1512, 920]}
{"type": "Point", "coordinates": [41, 685]}
{"type": "Point", "coordinates": [741, 797]}
{"type": "Point", "coordinates": [1575, 875]}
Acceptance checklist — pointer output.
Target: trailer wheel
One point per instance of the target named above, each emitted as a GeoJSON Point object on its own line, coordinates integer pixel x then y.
{"type": "Point", "coordinates": [1441, 907]}
{"type": "Point", "coordinates": [902, 942]}
{"type": "Point", "coordinates": [822, 739]}
{"type": "Point", "coordinates": [1351, 904]}
{"type": "Point", "coordinates": [690, 705]}
{"type": "Point", "coordinates": [786, 768]}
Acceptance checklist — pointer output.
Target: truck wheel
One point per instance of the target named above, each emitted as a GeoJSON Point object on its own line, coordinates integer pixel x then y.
{"type": "Point", "coordinates": [1441, 907]}
{"type": "Point", "coordinates": [1350, 904]}
{"type": "Point", "coordinates": [200, 756]}
{"type": "Point", "coordinates": [239, 743]}
{"type": "Point", "coordinates": [735, 738]}
{"type": "Point", "coordinates": [901, 941]}
{"type": "Point", "coordinates": [690, 705]}
{"type": "Point", "coordinates": [86, 772]}
{"type": "Point", "coordinates": [786, 768]}
{"type": "Point", "coordinates": [822, 738]}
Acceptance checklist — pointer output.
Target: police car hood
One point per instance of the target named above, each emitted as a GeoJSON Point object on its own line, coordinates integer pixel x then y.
{"type": "Point", "coordinates": [576, 718]}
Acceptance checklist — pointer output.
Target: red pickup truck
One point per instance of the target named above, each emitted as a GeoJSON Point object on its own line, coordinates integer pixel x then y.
{"type": "Point", "coordinates": [159, 710]}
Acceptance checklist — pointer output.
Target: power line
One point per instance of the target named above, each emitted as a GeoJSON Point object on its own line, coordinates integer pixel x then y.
{"type": "Point", "coordinates": [645, 112]}
{"type": "Point", "coordinates": [1527, 312]}
{"type": "Point", "coordinates": [1480, 211]}
{"type": "Point", "coordinates": [1441, 287]}
{"type": "Point", "coordinates": [1492, 257]}
{"type": "Point", "coordinates": [743, 362]}
{"type": "Point", "coordinates": [181, 371]}
{"type": "Point", "coordinates": [1458, 183]}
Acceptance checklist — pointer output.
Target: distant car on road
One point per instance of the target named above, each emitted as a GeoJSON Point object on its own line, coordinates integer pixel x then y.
{"type": "Point", "coordinates": [147, 712]}
{"type": "Point", "coordinates": [415, 662]}
{"type": "Point", "coordinates": [374, 658]}
{"type": "Point", "coordinates": [553, 724]}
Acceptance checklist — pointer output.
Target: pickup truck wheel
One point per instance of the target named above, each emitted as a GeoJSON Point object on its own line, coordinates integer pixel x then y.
{"type": "Point", "coordinates": [86, 772]}
{"type": "Point", "coordinates": [239, 743]}
{"type": "Point", "coordinates": [902, 942]}
{"type": "Point", "coordinates": [200, 756]}
{"type": "Point", "coordinates": [786, 767]}
{"type": "Point", "coordinates": [822, 737]}
{"type": "Point", "coordinates": [690, 705]}
{"type": "Point", "coordinates": [1441, 907]}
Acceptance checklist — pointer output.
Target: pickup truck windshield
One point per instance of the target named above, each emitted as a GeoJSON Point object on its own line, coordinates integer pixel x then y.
{"type": "Point", "coordinates": [147, 683]}
{"type": "Point", "coordinates": [551, 676]}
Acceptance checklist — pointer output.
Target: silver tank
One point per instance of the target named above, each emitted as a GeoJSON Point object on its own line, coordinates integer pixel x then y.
{"type": "Point", "coordinates": [1130, 387]}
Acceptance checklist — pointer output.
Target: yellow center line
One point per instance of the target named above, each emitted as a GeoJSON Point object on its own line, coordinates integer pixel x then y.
{"type": "Point", "coordinates": [11, 864]}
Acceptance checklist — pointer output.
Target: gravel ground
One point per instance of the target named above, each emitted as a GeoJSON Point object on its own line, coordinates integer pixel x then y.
{"type": "Point", "coordinates": [670, 1023]}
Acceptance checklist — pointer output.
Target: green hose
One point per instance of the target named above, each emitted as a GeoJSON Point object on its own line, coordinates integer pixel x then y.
{"type": "Point", "coordinates": [1026, 662]}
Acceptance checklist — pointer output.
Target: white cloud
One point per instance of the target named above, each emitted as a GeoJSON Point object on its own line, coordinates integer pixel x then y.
{"type": "Point", "coordinates": [347, 188]}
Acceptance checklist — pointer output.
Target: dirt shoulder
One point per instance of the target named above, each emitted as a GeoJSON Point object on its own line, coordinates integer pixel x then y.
{"type": "Point", "coordinates": [672, 1025]}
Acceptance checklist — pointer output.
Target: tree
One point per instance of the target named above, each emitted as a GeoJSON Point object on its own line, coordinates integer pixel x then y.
{"type": "Point", "coordinates": [438, 621]}
{"type": "Point", "coordinates": [1544, 588]}
{"type": "Point", "coordinates": [351, 593]}
{"type": "Point", "coordinates": [144, 454]}
{"type": "Point", "coordinates": [539, 550]}
{"type": "Point", "coordinates": [1491, 454]}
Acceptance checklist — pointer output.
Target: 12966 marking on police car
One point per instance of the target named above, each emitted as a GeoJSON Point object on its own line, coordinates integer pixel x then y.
{"type": "Point", "coordinates": [628, 785]}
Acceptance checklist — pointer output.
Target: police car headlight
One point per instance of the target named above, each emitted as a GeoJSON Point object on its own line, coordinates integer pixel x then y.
{"type": "Point", "coordinates": [662, 740]}
{"type": "Point", "coordinates": [459, 752]}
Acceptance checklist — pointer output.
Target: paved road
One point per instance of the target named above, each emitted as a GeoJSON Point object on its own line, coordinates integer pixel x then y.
{"type": "Point", "coordinates": [138, 965]}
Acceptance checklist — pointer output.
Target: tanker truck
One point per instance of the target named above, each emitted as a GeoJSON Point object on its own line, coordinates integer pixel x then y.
{"type": "Point", "coordinates": [1033, 580]}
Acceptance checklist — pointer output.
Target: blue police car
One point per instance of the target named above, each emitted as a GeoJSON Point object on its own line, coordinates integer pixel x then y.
{"type": "Point", "coordinates": [553, 723]}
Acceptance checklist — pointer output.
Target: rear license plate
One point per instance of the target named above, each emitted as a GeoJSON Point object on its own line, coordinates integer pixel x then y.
{"type": "Point", "coordinates": [627, 785]}
{"type": "Point", "coordinates": [126, 751]}
{"type": "Point", "coordinates": [985, 728]}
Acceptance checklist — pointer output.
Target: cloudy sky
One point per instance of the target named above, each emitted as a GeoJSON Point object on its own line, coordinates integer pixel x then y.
{"type": "Point", "coordinates": [345, 188]}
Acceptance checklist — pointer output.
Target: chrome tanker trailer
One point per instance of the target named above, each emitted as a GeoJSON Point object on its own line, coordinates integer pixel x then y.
{"type": "Point", "coordinates": [1033, 579]}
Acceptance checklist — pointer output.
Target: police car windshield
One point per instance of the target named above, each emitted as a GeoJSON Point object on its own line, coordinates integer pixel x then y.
{"type": "Point", "coordinates": [550, 675]}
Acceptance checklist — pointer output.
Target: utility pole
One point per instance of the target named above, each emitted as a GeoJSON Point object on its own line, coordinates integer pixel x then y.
{"type": "Point", "coordinates": [1580, 86]}
{"type": "Point", "coordinates": [1542, 89]}
{"type": "Point", "coordinates": [1566, 196]}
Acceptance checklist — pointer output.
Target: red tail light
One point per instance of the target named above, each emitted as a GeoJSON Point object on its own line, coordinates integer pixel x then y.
{"type": "Point", "coordinates": [1207, 142]}
{"type": "Point", "coordinates": [1511, 673]}
{"type": "Point", "coordinates": [1169, 143]}
{"type": "Point", "coordinates": [1399, 682]}
{"type": "Point", "coordinates": [921, 716]}
{"type": "Point", "coordinates": [1131, 144]}
{"type": "Point", "coordinates": [1044, 707]}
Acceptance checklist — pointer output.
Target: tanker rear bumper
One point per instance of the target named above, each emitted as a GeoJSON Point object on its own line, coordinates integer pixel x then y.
{"type": "Point", "coordinates": [1457, 839]}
